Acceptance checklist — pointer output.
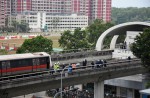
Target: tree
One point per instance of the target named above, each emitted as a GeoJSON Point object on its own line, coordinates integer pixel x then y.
{"type": "Point", "coordinates": [75, 40]}
{"type": "Point", "coordinates": [20, 27]}
{"type": "Point", "coordinates": [6, 21]}
{"type": "Point", "coordinates": [141, 47]}
{"type": "Point", "coordinates": [55, 22]}
{"type": "Point", "coordinates": [121, 15]}
{"type": "Point", "coordinates": [37, 44]}
{"type": "Point", "coordinates": [3, 29]}
{"type": "Point", "coordinates": [10, 29]}
{"type": "Point", "coordinates": [15, 25]}
{"type": "Point", "coordinates": [64, 41]}
{"type": "Point", "coordinates": [24, 27]}
{"type": "Point", "coordinates": [84, 38]}
{"type": "Point", "coordinates": [96, 29]}
{"type": "Point", "coordinates": [3, 52]}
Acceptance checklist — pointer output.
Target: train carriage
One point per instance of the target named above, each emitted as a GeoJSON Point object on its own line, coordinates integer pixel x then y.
{"type": "Point", "coordinates": [23, 63]}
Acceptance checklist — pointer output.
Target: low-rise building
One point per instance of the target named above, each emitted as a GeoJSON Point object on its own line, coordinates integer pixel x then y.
{"type": "Point", "coordinates": [42, 21]}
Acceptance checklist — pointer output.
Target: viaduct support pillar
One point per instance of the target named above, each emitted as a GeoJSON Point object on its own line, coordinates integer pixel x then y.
{"type": "Point", "coordinates": [99, 89]}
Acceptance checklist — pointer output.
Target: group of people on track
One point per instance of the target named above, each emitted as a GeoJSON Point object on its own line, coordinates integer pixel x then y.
{"type": "Point", "coordinates": [97, 64]}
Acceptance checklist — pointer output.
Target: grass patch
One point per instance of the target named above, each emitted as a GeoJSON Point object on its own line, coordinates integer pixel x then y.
{"type": "Point", "coordinates": [55, 41]}
{"type": "Point", "coordinates": [19, 42]}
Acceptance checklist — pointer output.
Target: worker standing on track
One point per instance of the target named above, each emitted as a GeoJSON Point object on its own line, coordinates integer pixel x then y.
{"type": "Point", "coordinates": [105, 63]}
{"type": "Point", "coordinates": [58, 66]}
{"type": "Point", "coordinates": [70, 69]}
{"type": "Point", "coordinates": [84, 63]}
{"type": "Point", "coordinates": [92, 63]}
{"type": "Point", "coordinates": [55, 67]}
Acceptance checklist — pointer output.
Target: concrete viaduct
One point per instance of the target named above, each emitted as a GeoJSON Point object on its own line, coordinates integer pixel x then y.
{"type": "Point", "coordinates": [46, 81]}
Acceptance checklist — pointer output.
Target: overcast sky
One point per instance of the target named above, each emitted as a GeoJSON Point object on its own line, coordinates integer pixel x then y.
{"type": "Point", "coordinates": [130, 3]}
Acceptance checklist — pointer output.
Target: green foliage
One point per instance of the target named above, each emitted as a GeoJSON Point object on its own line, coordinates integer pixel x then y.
{"type": "Point", "coordinates": [74, 40]}
{"type": "Point", "coordinates": [55, 22]}
{"type": "Point", "coordinates": [37, 44]}
{"type": "Point", "coordinates": [20, 27]}
{"type": "Point", "coordinates": [3, 52]}
{"type": "Point", "coordinates": [121, 15]}
{"type": "Point", "coordinates": [141, 47]}
{"type": "Point", "coordinates": [147, 85]}
{"type": "Point", "coordinates": [6, 21]}
{"type": "Point", "coordinates": [107, 41]}
{"type": "Point", "coordinates": [84, 38]}
{"type": "Point", "coordinates": [121, 38]}
{"type": "Point", "coordinates": [96, 29]}
{"type": "Point", "coordinates": [6, 29]}
{"type": "Point", "coordinates": [24, 27]}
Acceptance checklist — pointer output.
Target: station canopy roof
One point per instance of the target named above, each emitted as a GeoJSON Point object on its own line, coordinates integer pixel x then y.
{"type": "Point", "coordinates": [145, 91]}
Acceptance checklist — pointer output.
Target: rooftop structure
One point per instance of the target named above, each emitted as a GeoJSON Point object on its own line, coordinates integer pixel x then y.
{"type": "Point", "coordinates": [23, 56]}
{"type": "Point", "coordinates": [145, 91]}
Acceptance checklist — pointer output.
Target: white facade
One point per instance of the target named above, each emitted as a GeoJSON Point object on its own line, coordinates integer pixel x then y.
{"type": "Point", "coordinates": [125, 52]}
{"type": "Point", "coordinates": [34, 21]}
{"type": "Point", "coordinates": [61, 23]}
{"type": "Point", "coordinates": [39, 20]}
{"type": "Point", "coordinates": [122, 54]}
{"type": "Point", "coordinates": [130, 35]}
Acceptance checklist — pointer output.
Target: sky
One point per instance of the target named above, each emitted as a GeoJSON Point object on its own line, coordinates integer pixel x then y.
{"type": "Point", "coordinates": [130, 3]}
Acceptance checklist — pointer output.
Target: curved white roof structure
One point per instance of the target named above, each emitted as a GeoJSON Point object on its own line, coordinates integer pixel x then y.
{"type": "Point", "coordinates": [121, 30]}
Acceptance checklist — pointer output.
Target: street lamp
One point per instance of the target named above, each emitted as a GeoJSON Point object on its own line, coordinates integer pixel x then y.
{"type": "Point", "coordinates": [61, 83]}
{"type": "Point", "coordinates": [61, 79]}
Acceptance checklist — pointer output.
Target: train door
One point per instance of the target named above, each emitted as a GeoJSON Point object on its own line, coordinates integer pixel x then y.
{"type": "Point", "coordinates": [36, 63]}
{"type": "Point", "coordinates": [0, 68]}
{"type": "Point", "coordinates": [6, 70]}
{"type": "Point", "coordinates": [34, 67]}
{"type": "Point", "coordinates": [3, 69]}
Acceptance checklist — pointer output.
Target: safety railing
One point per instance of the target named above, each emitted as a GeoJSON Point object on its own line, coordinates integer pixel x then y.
{"type": "Point", "coordinates": [83, 54]}
{"type": "Point", "coordinates": [73, 50]}
{"type": "Point", "coordinates": [51, 73]}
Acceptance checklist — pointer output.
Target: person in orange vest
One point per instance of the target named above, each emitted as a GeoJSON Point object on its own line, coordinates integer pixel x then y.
{"type": "Point", "coordinates": [73, 66]}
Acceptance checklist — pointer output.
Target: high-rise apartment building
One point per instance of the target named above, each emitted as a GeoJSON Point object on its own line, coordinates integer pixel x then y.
{"type": "Point", "coordinates": [5, 10]}
{"type": "Point", "coordinates": [53, 6]}
{"type": "Point", "coordinates": [101, 9]}
{"type": "Point", "coordinates": [92, 8]}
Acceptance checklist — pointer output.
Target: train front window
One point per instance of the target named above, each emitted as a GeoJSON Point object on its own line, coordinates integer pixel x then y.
{"type": "Point", "coordinates": [42, 60]}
